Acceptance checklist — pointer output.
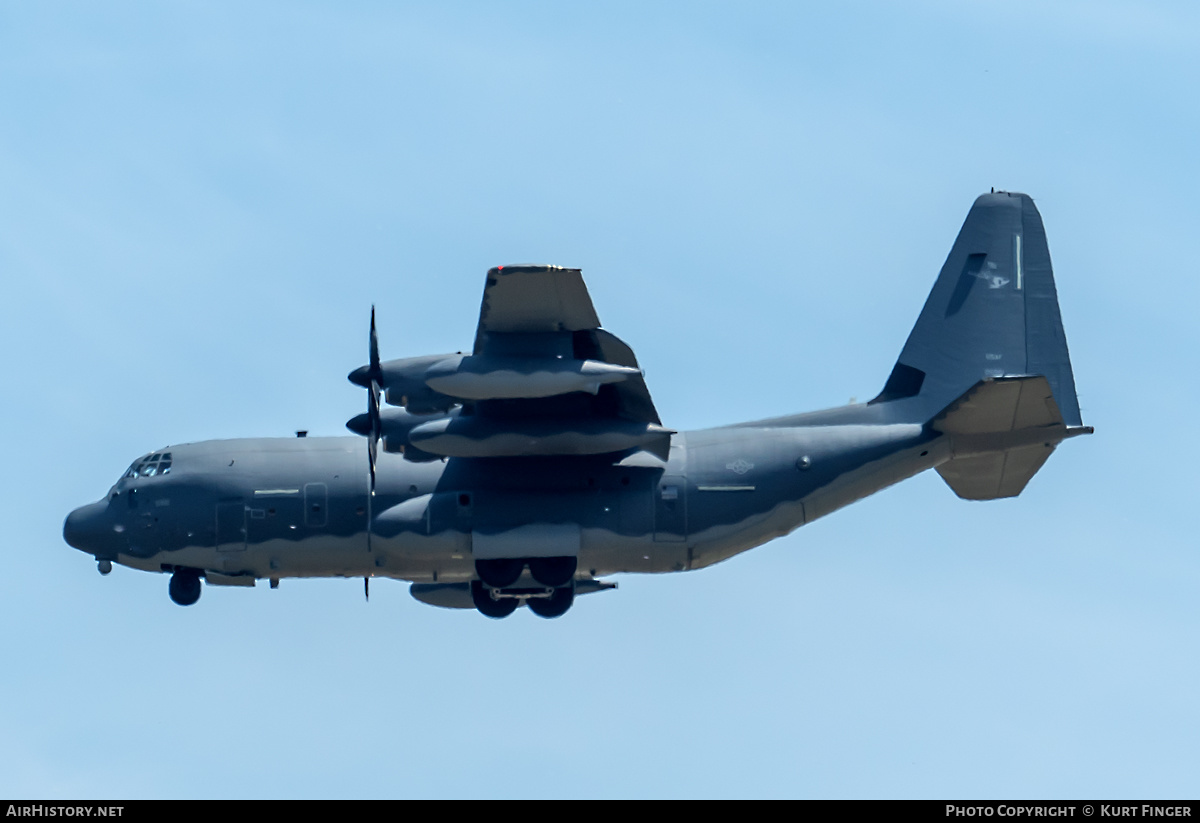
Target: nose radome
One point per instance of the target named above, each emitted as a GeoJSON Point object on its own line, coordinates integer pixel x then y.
{"type": "Point", "coordinates": [84, 528]}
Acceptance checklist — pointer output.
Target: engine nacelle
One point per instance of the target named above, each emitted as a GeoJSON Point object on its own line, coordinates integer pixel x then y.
{"type": "Point", "coordinates": [436, 383]}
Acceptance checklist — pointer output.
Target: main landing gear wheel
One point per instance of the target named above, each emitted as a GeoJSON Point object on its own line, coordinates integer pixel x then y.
{"type": "Point", "coordinates": [482, 598]}
{"type": "Point", "coordinates": [499, 573]}
{"type": "Point", "coordinates": [555, 605]}
{"type": "Point", "coordinates": [553, 571]}
{"type": "Point", "coordinates": [185, 587]}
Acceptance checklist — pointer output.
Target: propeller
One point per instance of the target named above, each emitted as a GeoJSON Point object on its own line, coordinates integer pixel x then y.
{"type": "Point", "coordinates": [370, 425]}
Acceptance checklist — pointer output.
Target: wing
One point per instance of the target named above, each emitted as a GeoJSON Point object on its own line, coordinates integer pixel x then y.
{"type": "Point", "coordinates": [534, 299]}
{"type": "Point", "coordinates": [543, 379]}
{"type": "Point", "coordinates": [540, 312]}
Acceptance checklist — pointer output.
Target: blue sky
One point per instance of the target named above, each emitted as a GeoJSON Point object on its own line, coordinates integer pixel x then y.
{"type": "Point", "coordinates": [199, 202]}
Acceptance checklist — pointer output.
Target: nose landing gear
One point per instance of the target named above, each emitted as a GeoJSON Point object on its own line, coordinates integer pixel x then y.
{"type": "Point", "coordinates": [185, 586]}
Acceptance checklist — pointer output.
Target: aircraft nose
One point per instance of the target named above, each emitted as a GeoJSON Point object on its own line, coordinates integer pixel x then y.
{"type": "Point", "coordinates": [87, 527]}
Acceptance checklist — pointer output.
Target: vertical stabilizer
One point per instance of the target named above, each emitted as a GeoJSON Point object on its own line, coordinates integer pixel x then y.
{"type": "Point", "coordinates": [993, 312]}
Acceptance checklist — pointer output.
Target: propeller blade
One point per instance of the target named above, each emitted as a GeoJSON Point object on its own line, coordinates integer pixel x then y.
{"type": "Point", "coordinates": [363, 375]}
{"type": "Point", "coordinates": [376, 371]}
{"type": "Point", "coordinates": [376, 425]}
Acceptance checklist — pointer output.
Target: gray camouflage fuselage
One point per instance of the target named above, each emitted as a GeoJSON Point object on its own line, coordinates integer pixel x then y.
{"type": "Point", "coordinates": [297, 507]}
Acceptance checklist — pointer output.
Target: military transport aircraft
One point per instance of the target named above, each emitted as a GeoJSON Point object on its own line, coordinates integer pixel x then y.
{"type": "Point", "coordinates": [522, 473]}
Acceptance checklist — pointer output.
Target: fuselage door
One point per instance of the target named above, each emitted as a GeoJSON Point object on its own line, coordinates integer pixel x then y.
{"type": "Point", "coordinates": [670, 509]}
{"type": "Point", "coordinates": [231, 526]}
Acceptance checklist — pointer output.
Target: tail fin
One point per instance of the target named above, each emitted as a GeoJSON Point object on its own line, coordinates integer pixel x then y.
{"type": "Point", "coordinates": [992, 315]}
{"type": "Point", "coordinates": [993, 312]}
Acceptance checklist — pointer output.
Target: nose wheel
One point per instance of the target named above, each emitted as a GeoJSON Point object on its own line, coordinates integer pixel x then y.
{"type": "Point", "coordinates": [185, 586]}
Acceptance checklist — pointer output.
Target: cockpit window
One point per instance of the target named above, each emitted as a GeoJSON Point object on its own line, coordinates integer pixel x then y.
{"type": "Point", "coordinates": [151, 466]}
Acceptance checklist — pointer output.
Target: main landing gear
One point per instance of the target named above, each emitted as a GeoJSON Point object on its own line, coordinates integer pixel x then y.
{"type": "Point", "coordinates": [500, 573]}
{"type": "Point", "coordinates": [553, 571]}
{"type": "Point", "coordinates": [541, 600]}
{"type": "Point", "coordinates": [185, 586]}
{"type": "Point", "coordinates": [499, 590]}
{"type": "Point", "coordinates": [490, 605]}
{"type": "Point", "coordinates": [556, 604]}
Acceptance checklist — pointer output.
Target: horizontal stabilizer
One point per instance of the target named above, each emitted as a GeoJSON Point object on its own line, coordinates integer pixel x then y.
{"type": "Point", "coordinates": [1001, 405]}
{"type": "Point", "coordinates": [995, 475]}
{"type": "Point", "coordinates": [1001, 432]}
